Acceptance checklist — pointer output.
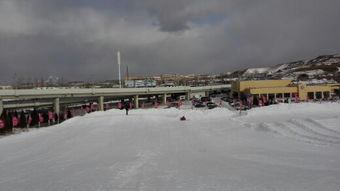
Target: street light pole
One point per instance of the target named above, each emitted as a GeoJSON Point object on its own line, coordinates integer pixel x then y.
{"type": "Point", "coordinates": [119, 75]}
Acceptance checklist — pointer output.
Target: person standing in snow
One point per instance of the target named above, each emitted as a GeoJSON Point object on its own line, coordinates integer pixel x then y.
{"type": "Point", "coordinates": [127, 106]}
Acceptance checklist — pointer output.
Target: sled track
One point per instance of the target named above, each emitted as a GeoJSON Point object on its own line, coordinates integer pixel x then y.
{"type": "Point", "coordinates": [317, 124]}
{"type": "Point", "coordinates": [312, 129]}
{"type": "Point", "coordinates": [298, 130]}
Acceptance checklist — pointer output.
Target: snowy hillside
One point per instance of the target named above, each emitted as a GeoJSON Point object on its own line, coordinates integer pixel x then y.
{"type": "Point", "coordinates": [279, 147]}
{"type": "Point", "coordinates": [323, 69]}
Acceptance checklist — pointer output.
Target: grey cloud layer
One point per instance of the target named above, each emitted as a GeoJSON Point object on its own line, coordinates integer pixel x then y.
{"type": "Point", "coordinates": [76, 39]}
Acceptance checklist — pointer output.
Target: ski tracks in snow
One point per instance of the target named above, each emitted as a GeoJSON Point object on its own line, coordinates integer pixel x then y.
{"type": "Point", "coordinates": [306, 130]}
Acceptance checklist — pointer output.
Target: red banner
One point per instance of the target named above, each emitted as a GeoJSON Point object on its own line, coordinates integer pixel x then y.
{"type": "Point", "coordinates": [15, 121]}
{"type": "Point", "coordinates": [29, 121]}
{"type": "Point", "coordinates": [2, 124]}
{"type": "Point", "coordinates": [41, 118]}
{"type": "Point", "coordinates": [50, 115]}
{"type": "Point", "coordinates": [264, 99]}
{"type": "Point", "coordinates": [260, 103]}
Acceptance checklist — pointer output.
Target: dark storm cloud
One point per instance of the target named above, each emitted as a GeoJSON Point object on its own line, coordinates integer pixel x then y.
{"type": "Point", "coordinates": [76, 39]}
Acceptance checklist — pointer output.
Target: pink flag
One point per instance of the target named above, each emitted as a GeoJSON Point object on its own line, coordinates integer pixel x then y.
{"type": "Point", "coordinates": [264, 99]}
{"type": "Point", "coordinates": [87, 109]}
{"type": "Point", "coordinates": [251, 100]}
{"type": "Point", "coordinates": [241, 105]}
{"type": "Point", "coordinates": [92, 107]}
{"type": "Point", "coordinates": [29, 121]}
{"type": "Point", "coordinates": [50, 115]}
{"type": "Point", "coordinates": [119, 105]}
{"type": "Point", "coordinates": [2, 124]}
{"type": "Point", "coordinates": [41, 118]}
{"type": "Point", "coordinates": [297, 99]}
{"type": "Point", "coordinates": [260, 103]}
{"type": "Point", "coordinates": [15, 121]}
{"type": "Point", "coordinates": [193, 101]}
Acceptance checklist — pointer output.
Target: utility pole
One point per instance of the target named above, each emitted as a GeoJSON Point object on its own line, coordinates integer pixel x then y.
{"type": "Point", "coordinates": [127, 72]}
{"type": "Point", "coordinates": [119, 75]}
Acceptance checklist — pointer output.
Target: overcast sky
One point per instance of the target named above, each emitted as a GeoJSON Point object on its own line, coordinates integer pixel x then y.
{"type": "Point", "coordinates": [76, 39]}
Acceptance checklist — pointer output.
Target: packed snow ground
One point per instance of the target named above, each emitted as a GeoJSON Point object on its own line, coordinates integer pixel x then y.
{"type": "Point", "coordinates": [280, 147]}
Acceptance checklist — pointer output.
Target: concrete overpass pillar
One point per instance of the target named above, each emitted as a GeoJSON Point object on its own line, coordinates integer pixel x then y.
{"type": "Point", "coordinates": [187, 96]}
{"type": "Point", "coordinates": [101, 103]}
{"type": "Point", "coordinates": [136, 101]}
{"type": "Point", "coordinates": [1, 106]}
{"type": "Point", "coordinates": [56, 105]}
{"type": "Point", "coordinates": [164, 99]}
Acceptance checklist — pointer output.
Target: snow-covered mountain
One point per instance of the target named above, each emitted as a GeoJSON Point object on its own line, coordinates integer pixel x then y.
{"type": "Point", "coordinates": [323, 69]}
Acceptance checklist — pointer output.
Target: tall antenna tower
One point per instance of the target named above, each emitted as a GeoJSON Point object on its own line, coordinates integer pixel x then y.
{"type": "Point", "coordinates": [119, 75]}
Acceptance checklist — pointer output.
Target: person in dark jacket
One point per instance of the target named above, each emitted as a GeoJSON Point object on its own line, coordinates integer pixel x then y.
{"type": "Point", "coordinates": [23, 122]}
{"type": "Point", "coordinates": [35, 118]}
{"type": "Point", "coordinates": [127, 107]}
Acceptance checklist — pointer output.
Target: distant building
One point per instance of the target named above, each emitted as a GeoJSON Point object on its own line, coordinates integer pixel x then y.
{"type": "Point", "coordinates": [140, 83]}
{"type": "Point", "coordinates": [273, 89]}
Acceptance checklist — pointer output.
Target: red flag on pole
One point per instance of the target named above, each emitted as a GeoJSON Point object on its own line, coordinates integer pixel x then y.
{"type": "Point", "coordinates": [241, 105]}
{"type": "Point", "coordinates": [2, 124]}
{"type": "Point", "coordinates": [50, 115]}
{"type": "Point", "coordinates": [15, 121]}
{"type": "Point", "coordinates": [264, 99]}
{"type": "Point", "coordinates": [41, 118]}
{"type": "Point", "coordinates": [29, 121]}
{"type": "Point", "coordinates": [260, 103]}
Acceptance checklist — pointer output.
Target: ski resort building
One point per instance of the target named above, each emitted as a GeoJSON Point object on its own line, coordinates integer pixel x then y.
{"type": "Point", "coordinates": [281, 89]}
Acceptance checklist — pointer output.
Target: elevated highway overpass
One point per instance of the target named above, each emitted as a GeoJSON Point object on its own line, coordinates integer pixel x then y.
{"type": "Point", "coordinates": [14, 98]}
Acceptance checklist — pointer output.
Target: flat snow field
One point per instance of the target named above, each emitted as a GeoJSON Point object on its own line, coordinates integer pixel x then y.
{"type": "Point", "coordinates": [281, 147]}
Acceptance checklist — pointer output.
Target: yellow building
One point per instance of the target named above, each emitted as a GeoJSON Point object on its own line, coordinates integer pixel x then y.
{"type": "Point", "coordinates": [273, 89]}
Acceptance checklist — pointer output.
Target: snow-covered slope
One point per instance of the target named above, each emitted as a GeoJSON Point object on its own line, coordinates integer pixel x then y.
{"type": "Point", "coordinates": [279, 147]}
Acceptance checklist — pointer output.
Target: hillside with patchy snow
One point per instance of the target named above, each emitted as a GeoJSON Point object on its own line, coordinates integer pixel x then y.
{"type": "Point", "coordinates": [323, 69]}
{"type": "Point", "coordinates": [280, 147]}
